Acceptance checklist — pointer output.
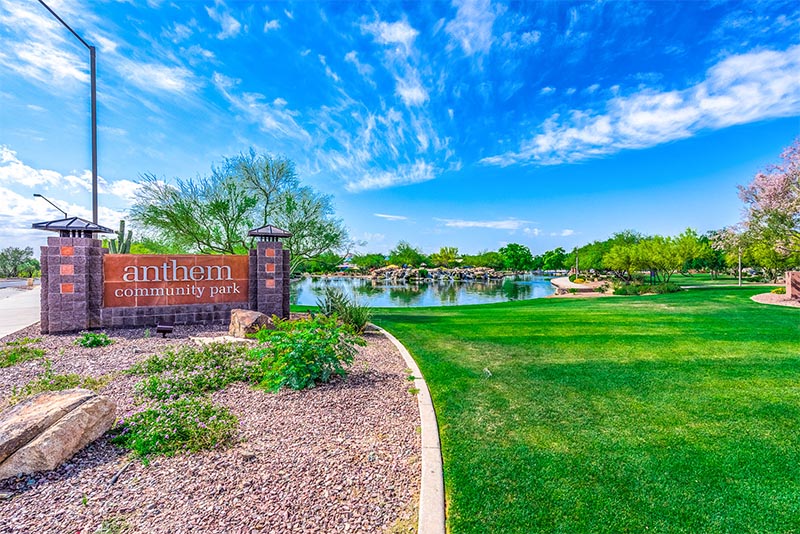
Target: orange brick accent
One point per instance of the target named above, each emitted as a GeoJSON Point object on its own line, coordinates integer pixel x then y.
{"type": "Point", "coordinates": [67, 268]}
{"type": "Point", "coordinates": [68, 288]}
{"type": "Point", "coordinates": [67, 251]}
{"type": "Point", "coordinates": [270, 253]}
{"type": "Point", "coordinates": [270, 267]}
{"type": "Point", "coordinates": [270, 283]}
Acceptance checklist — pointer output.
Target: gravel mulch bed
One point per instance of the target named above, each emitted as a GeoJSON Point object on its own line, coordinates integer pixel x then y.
{"type": "Point", "coordinates": [343, 457]}
{"type": "Point", "coordinates": [774, 298]}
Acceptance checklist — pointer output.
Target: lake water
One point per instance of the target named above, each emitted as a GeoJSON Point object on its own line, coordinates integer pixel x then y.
{"type": "Point", "coordinates": [387, 295]}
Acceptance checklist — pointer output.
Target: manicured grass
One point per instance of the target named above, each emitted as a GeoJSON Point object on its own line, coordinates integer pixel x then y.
{"type": "Point", "coordinates": [704, 279]}
{"type": "Point", "coordinates": [668, 413]}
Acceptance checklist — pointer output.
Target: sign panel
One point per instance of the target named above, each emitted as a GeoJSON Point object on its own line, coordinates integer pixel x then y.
{"type": "Point", "coordinates": [157, 280]}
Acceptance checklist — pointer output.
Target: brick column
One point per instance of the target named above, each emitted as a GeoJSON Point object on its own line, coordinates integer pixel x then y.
{"type": "Point", "coordinates": [793, 285]}
{"type": "Point", "coordinates": [269, 272]}
{"type": "Point", "coordinates": [72, 284]}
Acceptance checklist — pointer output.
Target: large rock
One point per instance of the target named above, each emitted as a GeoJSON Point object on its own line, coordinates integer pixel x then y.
{"type": "Point", "coordinates": [40, 433]}
{"type": "Point", "coordinates": [245, 322]}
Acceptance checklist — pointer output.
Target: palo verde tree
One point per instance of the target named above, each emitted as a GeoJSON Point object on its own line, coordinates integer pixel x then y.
{"type": "Point", "coordinates": [212, 214]}
{"type": "Point", "coordinates": [15, 261]}
{"type": "Point", "coordinates": [405, 254]}
{"type": "Point", "coordinates": [446, 257]}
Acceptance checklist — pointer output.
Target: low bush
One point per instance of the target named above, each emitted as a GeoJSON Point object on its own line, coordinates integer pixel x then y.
{"type": "Point", "coordinates": [188, 424]}
{"type": "Point", "coordinates": [641, 289]}
{"type": "Point", "coordinates": [666, 287]}
{"type": "Point", "coordinates": [21, 350]}
{"type": "Point", "coordinates": [300, 354]}
{"type": "Point", "coordinates": [579, 280]}
{"type": "Point", "coordinates": [779, 291]}
{"type": "Point", "coordinates": [194, 370]}
{"type": "Point", "coordinates": [93, 339]}
{"type": "Point", "coordinates": [49, 381]}
{"type": "Point", "coordinates": [334, 302]}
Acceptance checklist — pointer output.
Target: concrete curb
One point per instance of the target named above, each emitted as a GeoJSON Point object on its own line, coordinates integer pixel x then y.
{"type": "Point", "coordinates": [431, 492]}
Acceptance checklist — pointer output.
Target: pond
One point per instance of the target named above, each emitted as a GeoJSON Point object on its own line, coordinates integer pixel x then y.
{"type": "Point", "coordinates": [380, 294]}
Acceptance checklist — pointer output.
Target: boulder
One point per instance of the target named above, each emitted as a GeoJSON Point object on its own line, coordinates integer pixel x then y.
{"type": "Point", "coordinates": [245, 322]}
{"type": "Point", "coordinates": [42, 432]}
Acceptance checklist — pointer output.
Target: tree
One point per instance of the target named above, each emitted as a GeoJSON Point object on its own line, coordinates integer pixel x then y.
{"type": "Point", "coordinates": [553, 260]}
{"type": "Point", "coordinates": [491, 259]}
{"type": "Point", "coordinates": [621, 261]}
{"type": "Point", "coordinates": [405, 254]}
{"type": "Point", "coordinates": [369, 261]}
{"type": "Point", "coordinates": [772, 201]}
{"type": "Point", "coordinates": [516, 257]}
{"type": "Point", "coordinates": [446, 257]}
{"type": "Point", "coordinates": [14, 259]}
{"type": "Point", "coordinates": [213, 214]}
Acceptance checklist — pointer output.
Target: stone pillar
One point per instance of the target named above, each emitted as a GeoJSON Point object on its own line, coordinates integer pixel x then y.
{"type": "Point", "coordinates": [793, 285]}
{"type": "Point", "coordinates": [269, 273]}
{"type": "Point", "coordinates": [72, 284]}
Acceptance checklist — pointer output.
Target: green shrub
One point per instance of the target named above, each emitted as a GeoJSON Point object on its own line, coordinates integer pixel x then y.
{"type": "Point", "coordinates": [423, 273]}
{"type": "Point", "coordinates": [194, 370]}
{"type": "Point", "coordinates": [300, 354]}
{"type": "Point", "coordinates": [93, 339]}
{"type": "Point", "coordinates": [49, 381]}
{"type": "Point", "coordinates": [334, 302]}
{"type": "Point", "coordinates": [666, 287]}
{"type": "Point", "coordinates": [21, 350]}
{"type": "Point", "coordinates": [186, 425]}
{"type": "Point", "coordinates": [572, 277]}
{"type": "Point", "coordinates": [779, 291]}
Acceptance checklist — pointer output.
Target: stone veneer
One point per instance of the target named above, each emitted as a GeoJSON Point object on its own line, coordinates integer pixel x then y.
{"type": "Point", "coordinates": [793, 285]}
{"type": "Point", "coordinates": [72, 290]}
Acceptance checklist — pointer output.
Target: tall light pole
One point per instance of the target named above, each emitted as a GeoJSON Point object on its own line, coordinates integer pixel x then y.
{"type": "Point", "coordinates": [93, 73]}
{"type": "Point", "coordinates": [51, 203]}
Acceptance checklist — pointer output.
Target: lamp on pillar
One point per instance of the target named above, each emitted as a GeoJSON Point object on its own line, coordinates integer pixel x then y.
{"type": "Point", "coordinates": [93, 74]}
{"type": "Point", "coordinates": [51, 203]}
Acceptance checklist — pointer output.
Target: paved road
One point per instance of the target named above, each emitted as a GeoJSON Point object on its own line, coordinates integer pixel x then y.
{"type": "Point", "coordinates": [19, 307]}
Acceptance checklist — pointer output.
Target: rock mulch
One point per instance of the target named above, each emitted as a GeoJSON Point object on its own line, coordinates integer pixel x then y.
{"type": "Point", "coordinates": [343, 457]}
{"type": "Point", "coordinates": [774, 298]}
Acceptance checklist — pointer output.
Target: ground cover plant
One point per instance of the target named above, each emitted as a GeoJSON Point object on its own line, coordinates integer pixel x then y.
{"type": "Point", "coordinates": [21, 350]}
{"type": "Point", "coordinates": [665, 413]}
{"type": "Point", "coordinates": [50, 381]}
{"type": "Point", "coordinates": [93, 339]}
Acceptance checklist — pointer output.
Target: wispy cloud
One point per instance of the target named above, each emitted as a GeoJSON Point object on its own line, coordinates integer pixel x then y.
{"type": "Point", "coordinates": [273, 117]}
{"type": "Point", "coordinates": [220, 14]}
{"type": "Point", "coordinates": [391, 217]}
{"type": "Point", "coordinates": [157, 77]}
{"type": "Point", "coordinates": [472, 27]}
{"type": "Point", "coordinates": [273, 24]}
{"type": "Point", "coordinates": [363, 69]}
{"type": "Point", "coordinates": [738, 90]}
{"type": "Point", "coordinates": [506, 224]}
{"type": "Point", "coordinates": [563, 233]}
{"type": "Point", "coordinates": [420, 171]}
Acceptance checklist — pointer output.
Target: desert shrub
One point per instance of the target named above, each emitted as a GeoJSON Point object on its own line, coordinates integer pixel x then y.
{"type": "Point", "coordinates": [779, 291]}
{"type": "Point", "coordinates": [666, 287]}
{"type": "Point", "coordinates": [334, 302]}
{"type": "Point", "coordinates": [188, 424]}
{"type": "Point", "coordinates": [629, 289]}
{"type": "Point", "coordinates": [602, 288]}
{"type": "Point", "coordinates": [300, 354]}
{"type": "Point", "coordinates": [21, 350]}
{"type": "Point", "coordinates": [93, 339]}
{"type": "Point", "coordinates": [49, 381]}
{"type": "Point", "coordinates": [194, 370]}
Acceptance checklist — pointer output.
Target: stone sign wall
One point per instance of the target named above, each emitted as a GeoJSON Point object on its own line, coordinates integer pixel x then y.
{"type": "Point", "coordinates": [84, 287]}
{"type": "Point", "coordinates": [793, 285]}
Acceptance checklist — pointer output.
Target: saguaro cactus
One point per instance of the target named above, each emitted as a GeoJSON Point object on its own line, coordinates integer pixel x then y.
{"type": "Point", "coordinates": [121, 245]}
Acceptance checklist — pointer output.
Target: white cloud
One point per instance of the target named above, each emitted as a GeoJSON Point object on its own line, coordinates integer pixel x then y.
{"type": "Point", "coordinates": [14, 172]}
{"type": "Point", "coordinates": [125, 189]}
{"type": "Point", "coordinates": [472, 27]}
{"type": "Point", "coordinates": [391, 217]}
{"type": "Point", "coordinates": [411, 92]}
{"type": "Point", "coordinates": [532, 231]}
{"type": "Point", "coordinates": [362, 68]}
{"type": "Point", "coordinates": [179, 32]}
{"type": "Point", "coordinates": [328, 72]}
{"type": "Point", "coordinates": [393, 33]}
{"type": "Point", "coordinates": [156, 77]}
{"type": "Point", "coordinates": [273, 117]}
{"type": "Point", "coordinates": [547, 90]}
{"type": "Point", "coordinates": [289, 14]}
{"type": "Point", "coordinates": [420, 171]}
{"type": "Point", "coordinates": [230, 26]}
{"type": "Point", "coordinates": [739, 89]}
{"type": "Point", "coordinates": [507, 224]}
{"type": "Point", "coordinates": [271, 25]}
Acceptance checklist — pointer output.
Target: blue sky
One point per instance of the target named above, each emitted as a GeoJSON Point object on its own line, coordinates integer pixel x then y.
{"type": "Point", "coordinates": [466, 123]}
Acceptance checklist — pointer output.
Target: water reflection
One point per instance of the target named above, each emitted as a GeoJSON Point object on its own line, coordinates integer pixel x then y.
{"type": "Point", "coordinates": [447, 293]}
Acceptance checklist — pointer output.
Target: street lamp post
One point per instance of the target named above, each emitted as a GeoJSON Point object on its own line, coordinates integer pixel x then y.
{"type": "Point", "coordinates": [49, 202]}
{"type": "Point", "coordinates": [93, 73]}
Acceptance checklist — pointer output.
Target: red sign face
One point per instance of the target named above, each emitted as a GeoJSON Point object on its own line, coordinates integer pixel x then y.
{"type": "Point", "coordinates": [156, 280]}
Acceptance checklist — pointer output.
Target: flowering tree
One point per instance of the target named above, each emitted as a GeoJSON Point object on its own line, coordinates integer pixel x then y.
{"type": "Point", "coordinates": [772, 202]}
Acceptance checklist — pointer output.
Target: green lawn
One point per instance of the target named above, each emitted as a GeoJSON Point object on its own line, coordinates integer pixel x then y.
{"type": "Point", "coordinates": [705, 279]}
{"type": "Point", "coordinates": [670, 413]}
